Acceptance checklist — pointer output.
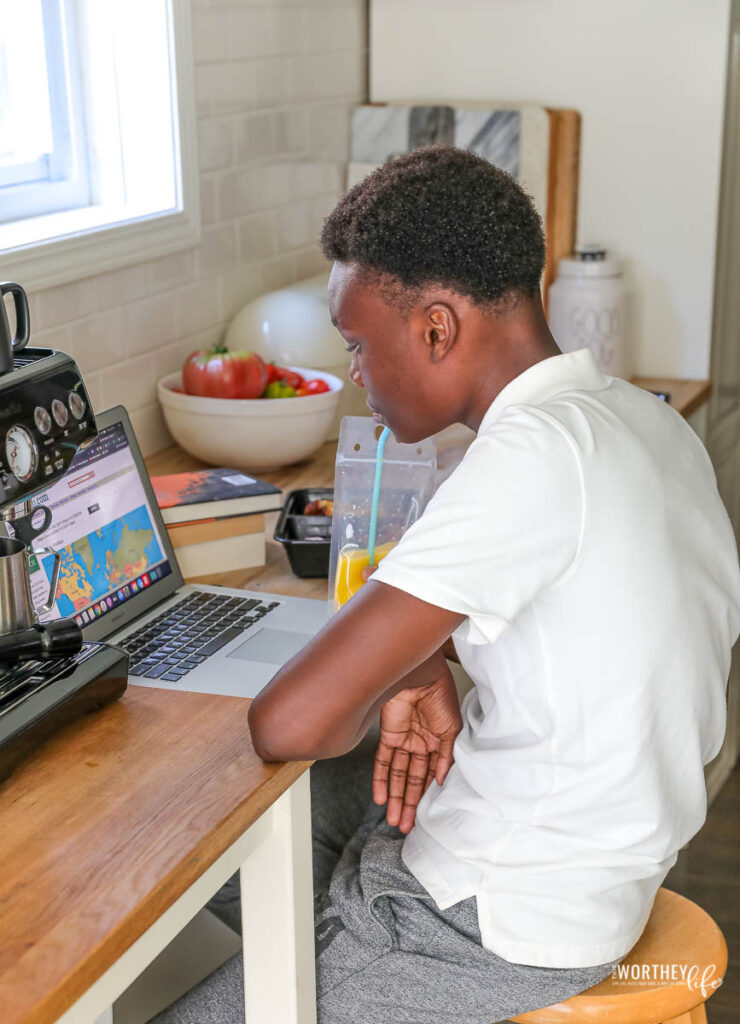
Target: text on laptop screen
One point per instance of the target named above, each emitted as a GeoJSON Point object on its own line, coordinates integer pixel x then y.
{"type": "Point", "coordinates": [103, 528]}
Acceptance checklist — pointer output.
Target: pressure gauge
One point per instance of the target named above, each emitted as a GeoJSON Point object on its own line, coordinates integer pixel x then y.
{"type": "Point", "coordinates": [76, 405]}
{"type": "Point", "coordinates": [42, 420]}
{"type": "Point", "coordinates": [59, 412]}
{"type": "Point", "coordinates": [21, 453]}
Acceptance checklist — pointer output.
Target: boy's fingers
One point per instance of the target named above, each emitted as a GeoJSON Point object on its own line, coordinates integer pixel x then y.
{"type": "Point", "coordinates": [407, 819]}
{"type": "Point", "coordinates": [416, 778]}
{"type": "Point", "coordinates": [445, 760]}
{"type": "Point", "coordinates": [398, 773]}
{"type": "Point", "coordinates": [367, 572]}
{"type": "Point", "coordinates": [381, 767]}
{"type": "Point", "coordinates": [431, 770]}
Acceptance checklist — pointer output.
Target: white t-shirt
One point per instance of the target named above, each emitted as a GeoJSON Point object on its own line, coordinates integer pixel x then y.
{"type": "Point", "coordinates": [584, 538]}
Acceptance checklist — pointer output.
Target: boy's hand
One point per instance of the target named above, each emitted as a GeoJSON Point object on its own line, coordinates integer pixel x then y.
{"type": "Point", "coordinates": [417, 733]}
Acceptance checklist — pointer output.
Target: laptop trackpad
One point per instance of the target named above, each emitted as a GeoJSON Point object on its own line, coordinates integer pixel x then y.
{"type": "Point", "coordinates": [271, 646]}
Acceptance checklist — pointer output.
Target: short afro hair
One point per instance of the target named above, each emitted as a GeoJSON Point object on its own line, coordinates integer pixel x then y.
{"type": "Point", "coordinates": [441, 216]}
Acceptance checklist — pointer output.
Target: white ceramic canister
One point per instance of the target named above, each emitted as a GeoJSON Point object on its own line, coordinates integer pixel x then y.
{"type": "Point", "coordinates": [588, 308]}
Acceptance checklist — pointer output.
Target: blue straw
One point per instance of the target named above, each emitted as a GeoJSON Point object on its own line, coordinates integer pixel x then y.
{"type": "Point", "coordinates": [376, 496]}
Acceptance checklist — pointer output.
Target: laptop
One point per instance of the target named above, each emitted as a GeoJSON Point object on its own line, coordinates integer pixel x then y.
{"type": "Point", "coordinates": [120, 580]}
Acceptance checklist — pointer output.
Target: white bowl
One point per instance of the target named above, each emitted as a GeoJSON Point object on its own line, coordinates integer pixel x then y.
{"type": "Point", "coordinates": [254, 434]}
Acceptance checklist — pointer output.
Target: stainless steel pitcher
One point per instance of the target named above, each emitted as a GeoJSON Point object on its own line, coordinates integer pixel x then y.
{"type": "Point", "coordinates": [17, 610]}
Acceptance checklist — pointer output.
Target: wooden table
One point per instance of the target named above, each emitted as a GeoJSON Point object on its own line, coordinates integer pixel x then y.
{"type": "Point", "coordinates": [120, 829]}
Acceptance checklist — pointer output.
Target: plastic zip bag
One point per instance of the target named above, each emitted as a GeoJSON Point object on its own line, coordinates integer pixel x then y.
{"type": "Point", "coordinates": [407, 483]}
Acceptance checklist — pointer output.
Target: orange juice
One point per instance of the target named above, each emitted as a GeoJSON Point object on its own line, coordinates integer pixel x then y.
{"type": "Point", "coordinates": [349, 570]}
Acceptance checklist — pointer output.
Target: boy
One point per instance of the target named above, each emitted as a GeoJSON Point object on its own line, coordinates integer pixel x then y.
{"type": "Point", "coordinates": [581, 559]}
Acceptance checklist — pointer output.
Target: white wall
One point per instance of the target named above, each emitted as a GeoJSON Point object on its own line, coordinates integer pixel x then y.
{"type": "Point", "coordinates": [648, 78]}
{"type": "Point", "coordinates": [274, 83]}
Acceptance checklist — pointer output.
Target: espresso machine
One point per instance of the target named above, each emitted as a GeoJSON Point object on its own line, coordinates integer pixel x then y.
{"type": "Point", "coordinates": [49, 674]}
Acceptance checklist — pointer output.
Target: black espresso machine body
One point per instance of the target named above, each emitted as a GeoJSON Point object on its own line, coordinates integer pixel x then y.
{"type": "Point", "coordinates": [45, 417]}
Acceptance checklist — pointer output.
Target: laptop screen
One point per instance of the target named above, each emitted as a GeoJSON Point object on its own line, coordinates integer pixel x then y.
{"type": "Point", "coordinates": [103, 525]}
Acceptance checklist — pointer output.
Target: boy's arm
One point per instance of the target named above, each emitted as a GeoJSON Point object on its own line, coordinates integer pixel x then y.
{"type": "Point", "coordinates": [321, 702]}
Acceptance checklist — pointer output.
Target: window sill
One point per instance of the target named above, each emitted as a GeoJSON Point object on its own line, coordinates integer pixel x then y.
{"type": "Point", "coordinates": [81, 243]}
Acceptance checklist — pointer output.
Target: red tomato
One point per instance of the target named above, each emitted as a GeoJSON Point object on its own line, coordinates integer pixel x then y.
{"type": "Point", "coordinates": [218, 373]}
{"type": "Point", "coordinates": [293, 379]}
{"type": "Point", "coordinates": [317, 386]}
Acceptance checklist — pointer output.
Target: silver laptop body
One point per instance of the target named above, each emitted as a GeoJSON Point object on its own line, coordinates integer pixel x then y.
{"type": "Point", "coordinates": [120, 576]}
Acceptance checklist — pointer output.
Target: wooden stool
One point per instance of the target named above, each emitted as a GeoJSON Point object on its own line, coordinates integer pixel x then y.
{"type": "Point", "coordinates": [678, 936]}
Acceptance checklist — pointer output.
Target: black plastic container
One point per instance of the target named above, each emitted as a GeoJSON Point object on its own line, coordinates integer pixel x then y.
{"type": "Point", "coordinates": [306, 539]}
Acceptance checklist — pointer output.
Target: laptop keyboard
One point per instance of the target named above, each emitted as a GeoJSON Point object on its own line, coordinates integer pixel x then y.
{"type": "Point", "coordinates": [181, 638]}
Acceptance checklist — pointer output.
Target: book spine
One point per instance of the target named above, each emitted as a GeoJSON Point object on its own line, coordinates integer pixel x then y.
{"type": "Point", "coordinates": [214, 556]}
{"type": "Point", "coordinates": [183, 534]}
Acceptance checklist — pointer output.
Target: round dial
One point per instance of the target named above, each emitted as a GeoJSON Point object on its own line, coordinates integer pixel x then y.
{"type": "Point", "coordinates": [42, 420]}
{"type": "Point", "coordinates": [21, 453]}
{"type": "Point", "coordinates": [76, 405]}
{"type": "Point", "coordinates": [59, 412]}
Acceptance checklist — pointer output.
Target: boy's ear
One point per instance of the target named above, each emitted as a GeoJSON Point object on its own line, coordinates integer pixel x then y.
{"type": "Point", "coordinates": [440, 329]}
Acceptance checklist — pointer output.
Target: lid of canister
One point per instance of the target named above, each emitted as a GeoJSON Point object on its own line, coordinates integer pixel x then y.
{"type": "Point", "coordinates": [589, 261]}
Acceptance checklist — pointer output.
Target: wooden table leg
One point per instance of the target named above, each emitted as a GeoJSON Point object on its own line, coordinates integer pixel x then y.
{"type": "Point", "coordinates": [277, 916]}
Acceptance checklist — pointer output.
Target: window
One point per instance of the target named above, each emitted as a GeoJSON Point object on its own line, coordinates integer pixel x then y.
{"type": "Point", "coordinates": [97, 158]}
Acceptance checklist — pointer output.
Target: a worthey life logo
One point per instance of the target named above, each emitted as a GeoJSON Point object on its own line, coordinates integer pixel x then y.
{"type": "Point", "coordinates": [704, 980]}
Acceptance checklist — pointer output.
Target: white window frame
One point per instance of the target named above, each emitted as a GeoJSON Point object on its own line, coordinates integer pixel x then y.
{"type": "Point", "coordinates": [54, 188]}
{"type": "Point", "coordinates": [80, 244]}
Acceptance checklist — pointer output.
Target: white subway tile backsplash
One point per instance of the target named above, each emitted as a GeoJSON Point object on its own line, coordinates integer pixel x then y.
{"type": "Point", "coordinates": [271, 184]}
{"type": "Point", "coordinates": [54, 337]}
{"type": "Point", "coordinates": [147, 324]}
{"type": "Point", "coordinates": [229, 87]}
{"type": "Point", "coordinates": [94, 385]}
{"type": "Point", "coordinates": [318, 209]}
{"type": "Point", "coordinates": [119, 286]}
{"type": "Point", "coordinates": [97, 341]}
{"type": "Point", "coordinates": [314, 177]}
{"type": "Point", "coordinates": [277, 273]}
{"type": "Point", "coordinates": [196, 307]}
{"type": "Point", "coordinates": [329, 130]}
{"type": "Point", "coordinates": [217, 250]}
{"type": "Point", "coordinates": [330, 27]}
{"type": "Point", "coordinates": [308, 262]}
{"type": "Point", "coordinates": [271, 81]}
{"type": "Point", "coordinates": [255, 136]}
{"type": "Point", "coordinates": [208, 211]}
{"type": "Point", "coordinates": [289, 28]}
{"type": "Point", "coordinates": [211, 35]}
{"type": "Point", "coordinates": [238, 287]}
{"type": "Point", "coordinates": [215, 144]}
{"type": "Point", "coordinates": [250, 32]}
{"type": "Point", "coordinates": [294, 226]}
{"type": "Point", "coordinates": [134, 383]}
{"type": "Point", "coordinates": [258, 237]}
{"type": "Point", "coordinates": [274, 81]}
{"type": "Point", "coordinates": [235, 192]}
{"type": "Point", "coordinates": [150, 429]}
{"type": "Point", "coordinates": [66, 302]}
{"type": "Point", "coordinates": [291, 130]}
{"type": "Point", "coordinates": [171, 271]}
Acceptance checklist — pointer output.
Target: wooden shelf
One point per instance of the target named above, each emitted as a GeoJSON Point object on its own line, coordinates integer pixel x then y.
{"type": "Point", "coordinates": [686, 395]}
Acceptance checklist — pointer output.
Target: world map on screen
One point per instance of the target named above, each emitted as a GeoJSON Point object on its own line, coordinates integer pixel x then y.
{"type": "Point", "coordinates": [104, 560]}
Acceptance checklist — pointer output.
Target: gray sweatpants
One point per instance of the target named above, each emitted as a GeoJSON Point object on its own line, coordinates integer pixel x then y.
{"type": "Point", "coordinates": [385, 953]}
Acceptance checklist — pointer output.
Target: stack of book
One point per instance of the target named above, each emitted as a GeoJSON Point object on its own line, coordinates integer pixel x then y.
{"type": "Point", "coordinates": [215, 518]}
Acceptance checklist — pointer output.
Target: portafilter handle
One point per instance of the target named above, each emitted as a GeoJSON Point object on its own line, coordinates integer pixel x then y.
{"type": "Point", "coordinates": [58, 639]}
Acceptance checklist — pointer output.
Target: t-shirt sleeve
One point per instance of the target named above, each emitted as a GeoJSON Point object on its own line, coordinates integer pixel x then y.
{"type": "Point", "coordinates": [505, 525]}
